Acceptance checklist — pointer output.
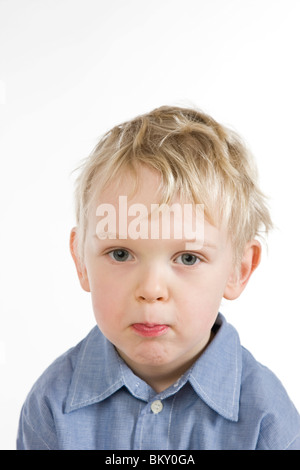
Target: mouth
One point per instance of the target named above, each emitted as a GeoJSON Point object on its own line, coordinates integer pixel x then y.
{"type": "Point", "coordinates": [149, 329]}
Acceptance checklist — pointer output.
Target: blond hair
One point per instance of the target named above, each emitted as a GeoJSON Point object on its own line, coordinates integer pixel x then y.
{"type": "Point", "coordinates": [197, 158]}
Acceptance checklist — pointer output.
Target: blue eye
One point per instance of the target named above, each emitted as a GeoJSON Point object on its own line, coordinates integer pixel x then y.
{"type": "Point", "coordinates": [188, 259]}
{"type": "Point", "coordinates": [119, 255]}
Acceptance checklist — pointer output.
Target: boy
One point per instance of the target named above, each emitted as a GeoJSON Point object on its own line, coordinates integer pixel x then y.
{"type": "Point", "coordinates": [168, 211]}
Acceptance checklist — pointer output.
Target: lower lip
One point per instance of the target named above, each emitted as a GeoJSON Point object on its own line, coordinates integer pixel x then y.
{"type": "Point", "coordinates": [149, 330]}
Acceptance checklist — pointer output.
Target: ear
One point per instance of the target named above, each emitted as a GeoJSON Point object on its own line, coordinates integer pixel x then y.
{"type": "Point", "coordinates": [241, 275]}
{"type": "Point", "coordinates": [80, 267]}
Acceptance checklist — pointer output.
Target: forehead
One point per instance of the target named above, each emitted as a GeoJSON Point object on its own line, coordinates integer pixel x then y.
{"type": "Point", "coordinates": [141, 206]}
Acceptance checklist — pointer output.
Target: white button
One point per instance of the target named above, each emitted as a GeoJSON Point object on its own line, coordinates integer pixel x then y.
{"type": "Point", "coordinates": [156, 406]}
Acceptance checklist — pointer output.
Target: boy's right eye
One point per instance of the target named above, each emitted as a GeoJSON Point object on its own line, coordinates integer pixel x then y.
{"type": "Point", "coordinates": [120, 255]}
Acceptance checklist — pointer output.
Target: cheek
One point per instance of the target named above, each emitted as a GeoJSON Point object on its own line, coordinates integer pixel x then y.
{"type": "Point", "coordinates": [201, 299]}
{"type": "Point", "coordinates": [108, 297]}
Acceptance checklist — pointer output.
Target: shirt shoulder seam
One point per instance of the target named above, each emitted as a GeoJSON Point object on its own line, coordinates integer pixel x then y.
{"type": "Point", "coordinates": [269, 447]}
{"type": "Point", "coordinates": [291, 442]}
{"type": "Point", "coordinates": [39, 437]}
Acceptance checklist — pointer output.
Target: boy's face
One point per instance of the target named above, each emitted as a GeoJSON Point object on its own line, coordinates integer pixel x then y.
{"type": "Point", "coordinates": [153, 299]}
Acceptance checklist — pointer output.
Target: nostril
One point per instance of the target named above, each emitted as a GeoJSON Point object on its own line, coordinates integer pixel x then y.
{"type": "Point", "coordinates": [145, 299]}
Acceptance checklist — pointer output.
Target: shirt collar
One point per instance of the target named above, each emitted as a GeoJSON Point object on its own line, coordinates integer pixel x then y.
{"type": "Point", "coordinates": [99, 372]}
{"type": "Point", "coordinates": [215, 377]}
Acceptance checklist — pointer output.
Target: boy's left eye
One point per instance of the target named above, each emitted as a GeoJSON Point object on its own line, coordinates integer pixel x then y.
{"type": "Point", "coordinates": [188, 259]}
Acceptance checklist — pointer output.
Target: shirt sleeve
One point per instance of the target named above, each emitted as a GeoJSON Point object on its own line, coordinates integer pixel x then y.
{"type": "Point", "coordinates": [280, 431]}
{"type": "Point", "coordinates": [28, 438]}
{"type": "Point", "coordinates": [36, 427]}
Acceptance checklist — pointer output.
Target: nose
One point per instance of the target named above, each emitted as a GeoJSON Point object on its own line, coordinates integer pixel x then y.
{"type": "Point", "coordinates": [152, 286]}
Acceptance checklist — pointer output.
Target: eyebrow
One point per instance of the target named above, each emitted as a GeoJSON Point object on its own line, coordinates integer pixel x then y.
{"type": "Point", "coordinates": [115, 236]}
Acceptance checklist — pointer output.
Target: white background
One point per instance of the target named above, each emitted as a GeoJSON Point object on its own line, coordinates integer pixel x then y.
{"type": "Point", "coordinates": [70, 70]}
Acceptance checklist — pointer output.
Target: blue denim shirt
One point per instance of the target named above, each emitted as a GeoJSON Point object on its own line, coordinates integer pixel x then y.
{"type": "Point", "coordinates": [90, 399]}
